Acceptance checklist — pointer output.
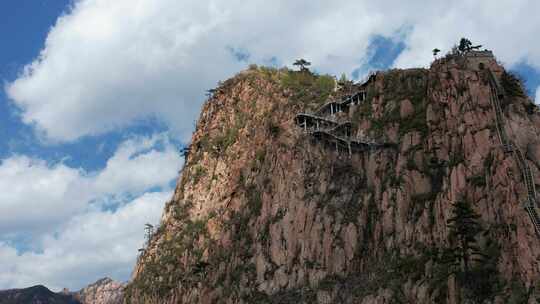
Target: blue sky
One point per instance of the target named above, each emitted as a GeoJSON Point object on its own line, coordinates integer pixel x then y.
{"type": "Point", "coordinates": [25, 25]}
{"type": "Point", "coordinates": [91, 128]}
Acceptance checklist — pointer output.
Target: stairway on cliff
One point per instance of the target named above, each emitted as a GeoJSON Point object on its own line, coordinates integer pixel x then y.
{"type": "Point", "coordinates": [264, 213]}
{"type": "Point", "coordinates": [531, 205]}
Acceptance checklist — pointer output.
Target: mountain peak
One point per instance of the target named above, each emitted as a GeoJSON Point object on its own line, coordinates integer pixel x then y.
{"type": "Point", "coordinates": [300, 188]}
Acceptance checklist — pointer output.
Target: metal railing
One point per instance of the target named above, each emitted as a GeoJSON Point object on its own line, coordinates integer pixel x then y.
{"type": "Point", "coordinates": [531, 205]}
{"type": "Point", "coordinates": [327, 128]}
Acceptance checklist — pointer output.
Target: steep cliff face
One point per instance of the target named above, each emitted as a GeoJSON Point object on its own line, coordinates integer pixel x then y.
{"type": "Point", "coordinates": [270, 210]}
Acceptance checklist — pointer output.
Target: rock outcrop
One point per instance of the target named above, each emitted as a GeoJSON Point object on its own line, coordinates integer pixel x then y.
{"type": "Point", "coordinates": [265, 212]}
{"type": "Point", "coordinates": [104, 291]}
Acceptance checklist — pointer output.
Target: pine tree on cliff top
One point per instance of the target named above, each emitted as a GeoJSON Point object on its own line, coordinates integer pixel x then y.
{"type": "Point", "coordinates": [465, 45]}
{"type": "Point", "coordinates": [302, 64]}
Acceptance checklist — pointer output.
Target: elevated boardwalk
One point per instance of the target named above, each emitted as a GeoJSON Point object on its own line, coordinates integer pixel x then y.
{"type": "Point", "coordinates": [351, 144]}
{"type": "Point", "coordinates": [325, 125]}
{"type": "Point", "coordinates": [335, 106]}
{"type": "Point", "coordinates": [531, 205]}
{"type": "Point", "coordinates": [310, 121]}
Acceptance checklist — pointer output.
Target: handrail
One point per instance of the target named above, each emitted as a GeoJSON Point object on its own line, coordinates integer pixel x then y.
{"type": "Point", "coordinates": [498, 114]}
{"type": "Point", "coordinates": [347, 141]}
{"type": "Point", "coordinates": [330, 126]}
{"type": "Point", "coordinates": [316, 117]}
{"type": "Point", "coordinates": [341, 125]}
{"type": "Point", "coordinates": [498, 87]}
{"type": "Point", "coordinates": [343, 101]}
{"type": "Point", "coordinates": [532, 206]}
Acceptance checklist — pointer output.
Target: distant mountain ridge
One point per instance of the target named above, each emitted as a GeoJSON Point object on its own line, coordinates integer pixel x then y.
{"type": "Point", "coordinates": [103, 291]}
{"type": "Point", "coordinates": [38, 294]}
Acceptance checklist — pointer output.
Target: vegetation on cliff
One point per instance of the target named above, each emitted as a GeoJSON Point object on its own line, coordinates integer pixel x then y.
{"type": "Point", "coordinates": [269, 212]}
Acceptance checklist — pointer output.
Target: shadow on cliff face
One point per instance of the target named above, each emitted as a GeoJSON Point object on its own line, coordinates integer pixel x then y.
{"type": "Point", "coordinates": [270, 211]}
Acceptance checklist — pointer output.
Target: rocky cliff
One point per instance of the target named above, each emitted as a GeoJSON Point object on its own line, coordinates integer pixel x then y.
{"type": "Point", "coordinates": [353, 201]}
{"type": "Point", "coordinates": [103, 291]}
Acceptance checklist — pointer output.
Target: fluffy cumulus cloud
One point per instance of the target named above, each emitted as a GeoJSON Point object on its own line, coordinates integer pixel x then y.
{"type": "Point", "coordinates": [107, 64]}
{"type": "Point", "coordinates": [29, 205]}
{"type": "Point", "coordinates": [35, 195]}
{"type": "Point", "coordinates": [75, 226]}
{"type": "Point", "coordinates": [89, 246]}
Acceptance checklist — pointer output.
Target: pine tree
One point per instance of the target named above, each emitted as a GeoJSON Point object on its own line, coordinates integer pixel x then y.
{"type": "Point", "coordinates": [464, 229]}
{"type": "Point", "coordinates": [475, 269]}
{"type": "Point", "coordinates": [302, 63]}
{"type": "Point", "coordinates": [465, 45]}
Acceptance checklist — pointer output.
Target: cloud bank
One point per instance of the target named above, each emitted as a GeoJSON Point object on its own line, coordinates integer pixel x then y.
{"type": "Point", "coordinates": [77, 226]}
{"type": "Point", "coordinates": [107, 64]}
{"type": "Point", "coordinates": [88, 246]}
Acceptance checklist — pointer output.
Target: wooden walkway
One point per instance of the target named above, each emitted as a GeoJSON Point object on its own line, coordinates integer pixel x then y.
{"type": "Point", "coordinates": [334, 130]}
{"type": "Point", "coordinates": [531, 205]}
{"type": "Point", "coordinates": [335, 106]}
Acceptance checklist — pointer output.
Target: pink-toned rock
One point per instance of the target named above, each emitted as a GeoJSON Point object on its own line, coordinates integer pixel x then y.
{"type": "Point", "coordinates": [292, 214]}
{"type": "Point", "coordinates": [104, 291]}
{"type": "Point", "coordinates": [406, 109]}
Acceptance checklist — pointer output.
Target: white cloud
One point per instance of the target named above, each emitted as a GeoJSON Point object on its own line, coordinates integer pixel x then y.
{"type": "Point", "coordinates": [34, 194]}
{"type": "Point", "coordinates": [537, 100]}
{"type": "Point", "coordinates": [106, 64]}
{"type": "Point", "coordinates": [91, 245]}
{"type": "Point", "coordinates": [62, 215]}
{"type": "Point", "coordinates": [503, 26]}
{"type": "Point", "coordinates": [137, 166]}
{"type": "Point", "coordinates": [36, 197]}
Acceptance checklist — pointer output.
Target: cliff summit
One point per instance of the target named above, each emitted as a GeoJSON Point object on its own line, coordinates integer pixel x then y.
{"type": "Point", "coordinates": [413, 186]}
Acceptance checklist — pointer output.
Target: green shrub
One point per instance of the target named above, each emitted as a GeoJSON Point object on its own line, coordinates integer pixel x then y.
{"type": "Point", "coordinates": [307, 88]}
{"type": "Point", "coordinates": [456, 158]}
{"type": "Point", "coordinates": [420, 203]}
{"type": "Point", "coordinates": [325, 83]}
{"type": "Point", "coordinates": [512, 84]}
{"type": "Point", "coordinates": [223, 141]}
{"type": "Point", "coordinates": [411, 164]}
{"type": "Point", "coordinates": [198, 172]}
{"type": "Point", "coordinates": [260, 155]}
{"type": "Point", "coordinates": [254, 197]}
{"type": "Point", "coordinates": [162, 271]}
{"type": "Point", "coordinates": [488, 162]}
{"type": "Point", "coordinates": [478, 180]}
{"type": "Point", "coordinates": [274, 129]}
{"type": "Point", "coordinates": [417, 121]}
{"type": "Point", "coordinates": [530, 108]}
